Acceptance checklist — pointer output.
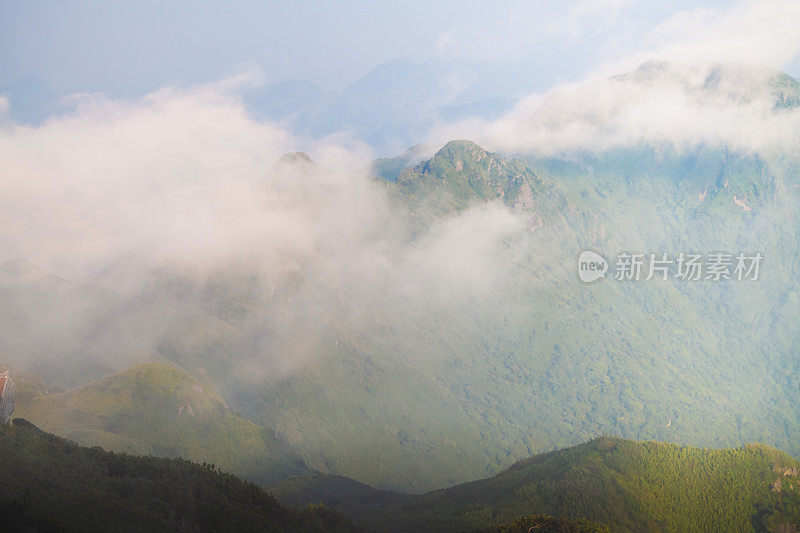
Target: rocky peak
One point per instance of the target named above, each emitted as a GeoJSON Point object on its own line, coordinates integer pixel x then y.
{"type": "Point", "coordinates": [463, 160]}
{"type": "Point", "coordinates": [295, 158]}
{"type": "Point", "coordinates": [462, 174]}
{"type": "Point", "coordinates": [288, 167]}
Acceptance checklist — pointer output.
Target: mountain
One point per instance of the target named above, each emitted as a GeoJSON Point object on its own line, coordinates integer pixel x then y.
{"type": "Point", "coordinates": [739, 83]}
{"type": "Point", "coordinates": [281, 101]}
{"type": "Point", "coordinates": [27, 385]}
{"type": "Point", "coordinates": [43, 310]}
{"type": "Point", "coordinates": [631, 486]}
{"type": "Point", "coordinates": [50, 484]}
{"type": "Point", "coordinates": [456, 338]}
{"type": "Point", "coordinates": [462, 174]}
{"type": "Point", "coordinates": [547, 524]}
{"type": "Point", "coordinates": [470, 173]}
{"type": "Point", "coordinates": [159, 410]}
{"type": "Point", "coordinates": [389, 168]}
{"type": "Point", "coordinates": [544, 360]}
{"type": "Point", "coordinates": [396, 103]}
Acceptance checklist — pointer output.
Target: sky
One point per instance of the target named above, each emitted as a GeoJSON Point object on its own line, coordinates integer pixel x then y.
{"type": "Point", "coordinates": [128, 49]}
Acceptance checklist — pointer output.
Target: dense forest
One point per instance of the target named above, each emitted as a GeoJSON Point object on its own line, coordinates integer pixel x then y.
{"type": "Point", "coordinates": [50, 484]}
{"type": "Point", "coordinates": [631, 486]}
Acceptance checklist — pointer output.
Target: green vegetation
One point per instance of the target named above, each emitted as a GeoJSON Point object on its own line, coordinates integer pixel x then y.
{"type": "Point", "coordinates": [415, 391]}
{"type": "Point", "coordinates": [156, 409]}
{"type": "Point", "coordinates": [631, 486]}
{"type": "Point", "coordinates": [50, 484]}
{"type": "Point", "coordinates": [462, 174]}
{"type": "Point", "coordinates": [412, 387]}
{"type": "Point", "coordinates": [548, 524]}
{"type": "Point", "coordinates": [543, 361]}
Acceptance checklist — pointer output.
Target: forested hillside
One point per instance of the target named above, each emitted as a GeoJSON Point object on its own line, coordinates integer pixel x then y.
{"type": "Point", "coordinates": [630, 486]}
{"type": "Point", "coordinates": [50, 484]}
{"type": "Point", "coordinates": [461, 317]}
{"type": "Point", "coordinates": [431, 329]}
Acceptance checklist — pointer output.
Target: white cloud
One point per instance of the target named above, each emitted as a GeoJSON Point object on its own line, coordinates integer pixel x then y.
{"type": "Point", "coordinates": [182, 183]}
{"type": "Point", "coordinates": [185, 176]}
{"type": "Point", "coordinates": [114, 175]}
{"type": "Point", "coordinates": [605, 37]}
{"type": "Point", "coordinates": [661, 103]}
{"type": "Point", "coordinates": [674, 107]}
{"type": "Point", "coordinates": [763, 31]}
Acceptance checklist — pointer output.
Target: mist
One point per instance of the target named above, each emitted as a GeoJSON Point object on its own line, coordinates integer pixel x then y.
{"type": "Point", "coordinates": [745, 107]}
{"type": "Point", "coordinates": [127, 227]}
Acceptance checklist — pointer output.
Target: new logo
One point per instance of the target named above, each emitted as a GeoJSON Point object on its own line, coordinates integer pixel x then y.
{"type": "Point", "coordinates": [591, 266]}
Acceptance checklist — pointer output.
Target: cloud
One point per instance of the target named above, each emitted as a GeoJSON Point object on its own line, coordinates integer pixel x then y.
{"type": "Point", "coordinates": [660, 103]}
{"type": "Point", "coordinates": [619, 34]}
{"type": "Point", "coordinates": [112, 176]}
{"type": "Point", "coordinates": [160, 207]}
{"type": "Point", "coordinates": [757, 32]}
{"type": "Point", "coordinates": [673, 107]}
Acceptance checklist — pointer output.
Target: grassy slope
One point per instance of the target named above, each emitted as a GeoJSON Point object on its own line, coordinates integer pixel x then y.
{"type": "Point", "coordinates": [51, 484]}
{"type": "Point", "coordinates": [157, 409]}
{"type": "Point", "coordinates": [632, 486]}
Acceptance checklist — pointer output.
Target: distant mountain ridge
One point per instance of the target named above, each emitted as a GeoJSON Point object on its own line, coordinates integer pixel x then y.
{"type": "Point", "coordinates": [396, 103]}
{"type": "Point", "coordinates": [631, 486]}
{"type": "Point", "coordinates": [741, 83]}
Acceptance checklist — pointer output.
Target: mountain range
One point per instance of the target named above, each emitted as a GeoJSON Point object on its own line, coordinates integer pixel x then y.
{"type": "Point", "coordinates": [441, 335]}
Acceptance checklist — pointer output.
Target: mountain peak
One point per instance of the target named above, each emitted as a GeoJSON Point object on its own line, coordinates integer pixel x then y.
{"type": "Point", "coordinates": [463, 160]}
{"type": "Point", "coordinates": [296, 157]}
{"type": "Point", "coordinates": [464, 150]}
{"type": "Point", "coordinates": [462, 145]}
{"type": "Point", "coordinates": [462, 174]}
{"type": "Point", "coordinates": [290, 166]}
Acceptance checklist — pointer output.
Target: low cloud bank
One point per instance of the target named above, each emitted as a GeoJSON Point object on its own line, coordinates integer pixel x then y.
{"type": "Point", "coordinates": [175, 204]}
{"type": "Point", "coordinates": [747, 108]}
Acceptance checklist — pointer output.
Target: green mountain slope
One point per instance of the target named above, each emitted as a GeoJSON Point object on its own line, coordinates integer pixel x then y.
{"type": "Point", "coordinates": [631, 486]}
{"type": "Point", "coordinates": [544, 361]}
{"type": "Point", "coordinates": [374, 372]}
{"type": "Point", "coordinates": [546, 524]}
{"type": "Point", "coordinates": [389, 168]}
{"type": "Point", "coordinates": [156, 409]}
{"type": "Point", "coordinates": [50, 484]}
{"type": "Point", "coordinates": [462, 174]}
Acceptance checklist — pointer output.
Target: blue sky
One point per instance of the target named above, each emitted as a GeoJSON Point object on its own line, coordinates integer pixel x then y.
{"type": "Point", "coordinates": [131, 48]}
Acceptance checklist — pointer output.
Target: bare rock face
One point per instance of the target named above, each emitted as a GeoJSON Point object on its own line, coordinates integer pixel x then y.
{"type": "Point", "coordinates": [6, 397]}
{"type": "Point", "coordinates": [525, 200]}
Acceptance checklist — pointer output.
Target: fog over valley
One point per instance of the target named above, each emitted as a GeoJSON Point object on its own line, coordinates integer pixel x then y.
{"type": "Point", "coordinates": [364, 295]}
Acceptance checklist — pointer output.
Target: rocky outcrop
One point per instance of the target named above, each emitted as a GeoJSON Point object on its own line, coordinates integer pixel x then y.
{"type": "Point", "coordinates": [6, 397]}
